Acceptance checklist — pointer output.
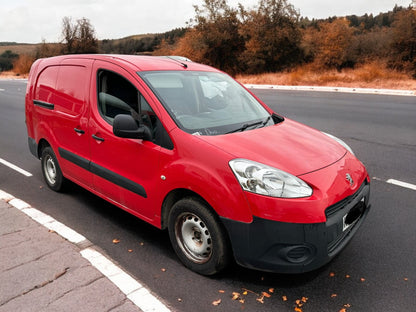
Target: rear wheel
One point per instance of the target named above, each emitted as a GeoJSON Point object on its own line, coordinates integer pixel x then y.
{"type": "Point", "coordinates": [51, 170]}
{"type": "Point", "coordinates": [198, 237]}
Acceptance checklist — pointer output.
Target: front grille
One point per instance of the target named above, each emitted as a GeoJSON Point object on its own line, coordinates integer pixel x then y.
{"type": "Point", "coordinates": [344, 217]}
{"type": "Point", "coordinates": [343, 203]}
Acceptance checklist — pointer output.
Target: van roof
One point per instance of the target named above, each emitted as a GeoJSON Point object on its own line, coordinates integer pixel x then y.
{"type": "Point", "coordinates": [139, 62]}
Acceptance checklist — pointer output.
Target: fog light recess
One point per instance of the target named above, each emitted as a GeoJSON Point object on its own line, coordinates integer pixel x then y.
{"type": "Point", "coordinates": [298, 254]}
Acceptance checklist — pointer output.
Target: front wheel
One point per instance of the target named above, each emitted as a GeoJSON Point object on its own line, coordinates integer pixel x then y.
{"type": "Point", "coordinates": [51, 170]}
{"type": "Point", "coordinates": [198, 237]}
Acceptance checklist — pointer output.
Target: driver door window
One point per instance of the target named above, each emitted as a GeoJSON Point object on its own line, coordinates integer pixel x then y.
{"type": "Point", "coordinates": [116, 95]}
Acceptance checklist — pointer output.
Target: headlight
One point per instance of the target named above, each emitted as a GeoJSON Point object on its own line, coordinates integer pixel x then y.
{"type": "Point", "coordinates": [261, 179]}
{"type": "Point", "coordinates": [340, 142]}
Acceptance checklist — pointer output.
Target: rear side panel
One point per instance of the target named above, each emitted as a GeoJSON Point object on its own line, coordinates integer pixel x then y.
{"type": "Point", "coordinates": [71, 113]}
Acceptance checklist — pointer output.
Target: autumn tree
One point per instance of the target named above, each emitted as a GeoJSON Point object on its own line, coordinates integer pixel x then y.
{"type": "Point", "coordinates": [404, 41]}
{"type": "Point", "coordinates": [371, 45]}
{"type": "Point", "coordinates": [272, 36]}
{"type": "Point", "coordinates": [78, 37]}
{"type": "Point", "coordinates": [330, 44]}
{"type": "Point", "coordinates": [214, 39]}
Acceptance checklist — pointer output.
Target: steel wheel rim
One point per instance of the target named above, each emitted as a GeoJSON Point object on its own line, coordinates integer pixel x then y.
{"type": "Point", "coordinates": [193, 238]}
{"type": "Point", "coordinates": [50, 170]}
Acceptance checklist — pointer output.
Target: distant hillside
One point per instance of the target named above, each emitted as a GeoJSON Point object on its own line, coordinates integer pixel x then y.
{"type": "Point", "coordinates": [18, 48]}
{"type": "Point", "coordinates": [128, 45]}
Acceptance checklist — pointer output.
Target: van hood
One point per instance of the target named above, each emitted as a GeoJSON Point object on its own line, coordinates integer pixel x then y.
{"type": "Point", "coordinates": [288, 146]}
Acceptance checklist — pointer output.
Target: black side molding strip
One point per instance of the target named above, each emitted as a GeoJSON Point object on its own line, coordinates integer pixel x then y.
{"type": "Point", "coordinates": [118, 179]}
{"type": "Point", "coordinates": [103, 172]}
{"type": "Point", "coordinates": [44, 104]}
{"type": "Point", "coordinates": [75, 159]}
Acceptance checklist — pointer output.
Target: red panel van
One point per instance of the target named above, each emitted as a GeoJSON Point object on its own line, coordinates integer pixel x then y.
{"type": "Point", "coordinates": [186, 148]}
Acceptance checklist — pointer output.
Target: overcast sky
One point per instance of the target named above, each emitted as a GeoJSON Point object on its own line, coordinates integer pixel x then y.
{"type": "Point", "coordinates": [31, 21]}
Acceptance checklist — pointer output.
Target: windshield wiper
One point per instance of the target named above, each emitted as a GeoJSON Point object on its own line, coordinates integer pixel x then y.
{"type": "Point", "coordinates": [248, 125]}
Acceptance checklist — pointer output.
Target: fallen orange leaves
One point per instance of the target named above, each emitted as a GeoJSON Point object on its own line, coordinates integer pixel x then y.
{"type": "Point", "coordinates": [236, 296]}
{"type": "Point", "coordinates": [216, 302]}
{"type": "Point", "coordinates": [116, 241]}
{"type": "Point", "coordinates": [300, 303]}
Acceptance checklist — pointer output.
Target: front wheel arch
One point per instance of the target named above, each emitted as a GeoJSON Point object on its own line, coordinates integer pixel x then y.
{"type": "Point", "coordinates": [198, 236]}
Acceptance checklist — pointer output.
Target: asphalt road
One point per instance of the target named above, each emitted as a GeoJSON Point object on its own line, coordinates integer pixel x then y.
{"type": "Point", "coordinates": [376, 272]}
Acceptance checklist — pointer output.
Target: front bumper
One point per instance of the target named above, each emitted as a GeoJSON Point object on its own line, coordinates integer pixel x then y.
{"type": "Point", "coordinates": [295, 247]}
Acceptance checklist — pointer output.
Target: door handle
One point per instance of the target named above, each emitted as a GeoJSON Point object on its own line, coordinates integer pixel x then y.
{"type": "Point", "coordinates": [79, 131]}
{"type": "Point", "coordinates": [97, 138]}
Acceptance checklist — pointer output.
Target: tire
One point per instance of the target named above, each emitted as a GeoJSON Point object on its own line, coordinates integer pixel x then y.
{"type": "Point", "coordinates": [198, 237]}
{"type": "Point", "coordinates": [51, 171]}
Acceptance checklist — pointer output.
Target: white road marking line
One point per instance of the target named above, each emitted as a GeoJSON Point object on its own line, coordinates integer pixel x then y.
{"type": "Point", "coordinates": [2, 90]}
{"type": "Point", "coordinates": [48, 222]}
{"type": "Point", "coordinates": [134, 291]}
{"type": "Point", "coordinates": [14, 167]}
{"type": "Point", "coordinates": [402, 184]}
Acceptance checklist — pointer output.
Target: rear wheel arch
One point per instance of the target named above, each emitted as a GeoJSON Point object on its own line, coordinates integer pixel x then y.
{"type": "Point", "coordinates": [41, 146]}
{"type": "Point", "coordinates": [51, 169]}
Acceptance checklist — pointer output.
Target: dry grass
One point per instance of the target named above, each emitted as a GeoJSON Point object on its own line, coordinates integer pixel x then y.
{"type": "Point", "coordinates": [372, 75]}
{"type": "Point", "coordinates": [12, 75]}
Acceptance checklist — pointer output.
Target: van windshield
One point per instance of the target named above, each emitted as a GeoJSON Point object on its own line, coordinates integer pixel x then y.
{"type": "Point", "coordinates": [206, 103]}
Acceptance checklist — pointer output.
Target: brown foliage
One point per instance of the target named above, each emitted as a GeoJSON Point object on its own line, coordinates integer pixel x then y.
{"type": "Point", "coordinates": [22, 65]}
{"type": "Point", "coordinates": [404, 42]}
{"type": "Point", "coordinates": [330, 45]}
{"type": "Point", "coordinates": [265, 39]}
{"type": "Point", "coordinates": [272, 37]}
{"type": "Point", "coordinates": [216, 35]}
{"type": "Point", "coordinates": [48, 49]}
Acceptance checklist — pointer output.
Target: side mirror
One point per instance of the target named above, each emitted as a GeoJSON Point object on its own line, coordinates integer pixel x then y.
{"type": "Point", "coordinates": [124, 126]}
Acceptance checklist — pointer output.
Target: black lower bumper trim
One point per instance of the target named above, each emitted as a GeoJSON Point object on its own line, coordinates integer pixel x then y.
{"type": "Point", "coordinates": [33, 147]}
{"type": "Point", "coordinates": [295, 248]}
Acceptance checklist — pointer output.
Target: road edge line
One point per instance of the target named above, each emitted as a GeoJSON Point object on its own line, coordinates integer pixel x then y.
{"type": "Point", "coordinates": [138, 294]}
{"type": "Point", "coordinates": [333, 89]}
